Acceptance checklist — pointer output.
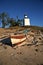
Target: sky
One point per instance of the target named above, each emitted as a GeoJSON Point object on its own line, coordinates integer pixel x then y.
{"type": "Point", "coordinates": [32, 8]}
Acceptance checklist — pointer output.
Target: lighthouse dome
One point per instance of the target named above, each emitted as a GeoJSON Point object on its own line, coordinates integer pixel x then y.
{"type": "Point", "coordinates": [25, 16]}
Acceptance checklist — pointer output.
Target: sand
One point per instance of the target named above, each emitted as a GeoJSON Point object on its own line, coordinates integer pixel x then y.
{"type": "Point", "coordinates": [22, 55]}
{"type": "Point", "coordinates": [26, 53]}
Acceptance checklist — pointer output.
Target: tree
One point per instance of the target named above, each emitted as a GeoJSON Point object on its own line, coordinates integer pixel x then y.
{"type": "Point", "coordinates": [4, 19]}
{"type": "Point", "coordinates": [12, 22]}
{"type": "Point", "coordinates": [19, 22]}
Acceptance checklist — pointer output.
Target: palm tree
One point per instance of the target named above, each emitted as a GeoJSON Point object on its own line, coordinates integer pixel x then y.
{"type": "Point", "coordinates": [4, 19]}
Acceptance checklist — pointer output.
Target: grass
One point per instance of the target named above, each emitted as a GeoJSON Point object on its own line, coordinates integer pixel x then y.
{"type": "Point", "coordinates": [25, 27]}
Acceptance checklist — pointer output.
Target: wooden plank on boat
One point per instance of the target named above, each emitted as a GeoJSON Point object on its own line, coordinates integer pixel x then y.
{"type": "Point", "coordinates": [17, 39]}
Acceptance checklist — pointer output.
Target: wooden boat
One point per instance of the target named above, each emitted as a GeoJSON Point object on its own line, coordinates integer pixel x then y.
{"type": "Point", "coordinates": [17, 39]}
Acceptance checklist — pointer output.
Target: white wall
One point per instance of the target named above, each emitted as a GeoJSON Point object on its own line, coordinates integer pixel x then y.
{"type": "Point", "coordinates": [26, 22]}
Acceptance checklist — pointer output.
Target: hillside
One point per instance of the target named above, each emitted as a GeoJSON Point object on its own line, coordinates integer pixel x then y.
{"type": "Point", "coordinates": [29, 52]}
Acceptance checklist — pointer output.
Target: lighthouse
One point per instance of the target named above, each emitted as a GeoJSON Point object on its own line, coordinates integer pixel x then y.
{"type": "Point", "coordinates": [26, 21]}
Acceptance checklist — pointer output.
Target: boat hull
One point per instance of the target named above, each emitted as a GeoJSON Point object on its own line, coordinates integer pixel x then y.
{"type": "Point", "coordinates": [17, 39]}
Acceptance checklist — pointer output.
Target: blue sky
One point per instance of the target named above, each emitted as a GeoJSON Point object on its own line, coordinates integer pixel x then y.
{"type": "Point", "coordinates": [33, 9]}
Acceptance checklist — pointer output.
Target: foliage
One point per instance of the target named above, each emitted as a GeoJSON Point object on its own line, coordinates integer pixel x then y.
{"type": "Point", "coordinates": [4, 19]}
{"type": "Point", "coordinates": [14, 22]}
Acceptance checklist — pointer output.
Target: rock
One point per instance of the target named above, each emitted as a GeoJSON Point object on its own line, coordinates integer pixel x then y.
{"type": "Point", "coordinates": [41, 64]}
{"type": "Point", "coordinates": [5, 47]}
{"type": "Point", "coordinates": [12, 54]}
{"type": "Point", "coordinates": [36, 50]}
{"type": "Point", "coordinates": [1, 44]}
{"type": "Point", "coordinates": [19, 52]}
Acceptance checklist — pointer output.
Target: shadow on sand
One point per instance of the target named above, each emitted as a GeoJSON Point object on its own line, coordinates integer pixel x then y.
{"type": "Point", "coordinates": [6, 41]}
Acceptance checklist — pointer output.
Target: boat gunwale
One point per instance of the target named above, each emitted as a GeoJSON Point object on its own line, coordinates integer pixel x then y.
{"type": "Point", "coordinates": [17, 36]}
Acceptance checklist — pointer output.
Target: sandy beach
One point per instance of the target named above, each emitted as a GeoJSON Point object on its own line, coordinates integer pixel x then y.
{"type": "Point", "coordinates": [26, 53]}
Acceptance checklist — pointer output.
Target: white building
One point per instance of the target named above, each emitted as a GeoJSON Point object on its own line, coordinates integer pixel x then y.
{"type": "Point", "coordinates": [26, 21]}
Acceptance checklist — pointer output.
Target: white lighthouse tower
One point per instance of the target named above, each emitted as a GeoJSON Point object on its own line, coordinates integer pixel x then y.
{"type": "Point", "coordinates": [26, 21]}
